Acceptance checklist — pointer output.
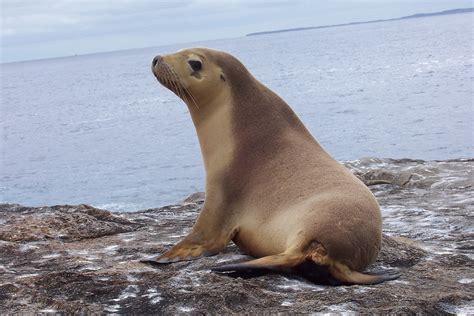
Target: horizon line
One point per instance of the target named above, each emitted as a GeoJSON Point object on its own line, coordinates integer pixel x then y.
{"type": "Point", "coordinates": [412, 16]}
{"type": "Point", "coordinates": [416, 15]}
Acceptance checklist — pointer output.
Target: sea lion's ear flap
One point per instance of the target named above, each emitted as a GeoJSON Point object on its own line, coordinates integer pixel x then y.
{"type": "Point", "coordinates": [222, 77]}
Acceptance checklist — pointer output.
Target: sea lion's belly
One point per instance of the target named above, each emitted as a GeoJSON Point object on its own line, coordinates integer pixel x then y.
{"type": "Point", "coordinates": [267, 232]}
{"type": "Point", "coordinates": [259, 242]}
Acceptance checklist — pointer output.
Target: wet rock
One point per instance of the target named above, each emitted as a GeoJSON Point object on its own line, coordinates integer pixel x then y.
{"type": "Point", "coordinates": [80, 259]}
{"type": "Point", "coordinates": [411, 172]}
{"type": "Point", "coordinates": [197, 197]}
{"type": "Point", "coordinates": [59, 222]}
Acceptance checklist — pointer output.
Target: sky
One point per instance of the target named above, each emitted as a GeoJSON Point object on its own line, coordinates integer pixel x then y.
{"type": "Point", "coordinates": [37, 29]}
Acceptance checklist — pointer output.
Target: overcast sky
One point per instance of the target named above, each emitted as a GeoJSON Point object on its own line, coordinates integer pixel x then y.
{"type": "Point", "coordinates": [35, 29]}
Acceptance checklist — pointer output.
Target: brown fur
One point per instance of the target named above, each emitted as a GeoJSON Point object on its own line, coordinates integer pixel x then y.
{"type": "Point", "coordinates": [276, 192]}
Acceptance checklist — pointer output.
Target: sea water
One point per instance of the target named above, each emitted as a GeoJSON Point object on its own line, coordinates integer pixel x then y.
{"type": "Point", "coordinates": [99, 129]}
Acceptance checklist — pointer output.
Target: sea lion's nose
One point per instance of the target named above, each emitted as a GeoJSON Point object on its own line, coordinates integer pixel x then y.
{"type": "Point", "coordinates": [156, 60]}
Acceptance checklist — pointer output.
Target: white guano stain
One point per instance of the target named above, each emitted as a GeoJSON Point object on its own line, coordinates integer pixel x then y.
{"type": "Point", "coordinates": [153, 295]}
{"type": "Point", "coordinates": [465, 281]}
{"type": "Point", "coordinates": [51, 256]}
{"type": "Point", "coordinates": [129, 291]}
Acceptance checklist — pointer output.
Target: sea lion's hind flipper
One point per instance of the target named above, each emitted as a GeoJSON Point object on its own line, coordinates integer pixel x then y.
{"type": "Point", "coordinates": [280, 262]}
{"type": "Point", "coordinates": [348, 276]}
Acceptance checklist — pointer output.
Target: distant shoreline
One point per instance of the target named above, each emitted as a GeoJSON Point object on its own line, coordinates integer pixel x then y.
{"type": "Point", "coordinates": [414, 16]}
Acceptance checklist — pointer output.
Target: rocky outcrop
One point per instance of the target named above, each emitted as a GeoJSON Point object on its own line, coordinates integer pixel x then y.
{"type": "Point", "coordinates": [80, 259]}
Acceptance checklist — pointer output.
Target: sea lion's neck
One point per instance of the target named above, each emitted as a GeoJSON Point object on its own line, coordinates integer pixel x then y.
{"type": "Point", "coordinates": [262, 117]}
{"type": "Point", "coordinates": [213, 126]}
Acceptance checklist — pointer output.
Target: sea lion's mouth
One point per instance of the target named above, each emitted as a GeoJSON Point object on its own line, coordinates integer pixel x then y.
{"type": "Point", "coordinates": [165, 74]}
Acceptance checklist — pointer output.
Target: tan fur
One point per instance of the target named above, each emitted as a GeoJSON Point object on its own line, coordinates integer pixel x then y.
{"type": "Point", "coordinates": [270, 187]}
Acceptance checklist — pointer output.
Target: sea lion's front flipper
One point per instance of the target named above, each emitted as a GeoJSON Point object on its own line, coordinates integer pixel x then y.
{"type": "Point", "coordinates": [199, 243]}
{"type": "Point", "coordinates": [280, 262]}
{"type": "Point", "coordinates": [187, 250]}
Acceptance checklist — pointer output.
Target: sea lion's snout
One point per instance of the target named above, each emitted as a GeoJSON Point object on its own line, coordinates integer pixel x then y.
{"type": "Point", "coordinates": [161, 71]}
{"type": "Point", "coordinates": [156, 61]}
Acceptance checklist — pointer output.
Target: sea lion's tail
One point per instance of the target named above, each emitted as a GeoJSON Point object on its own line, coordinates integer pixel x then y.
{"type": "Point", "coordinates": [311, 268]}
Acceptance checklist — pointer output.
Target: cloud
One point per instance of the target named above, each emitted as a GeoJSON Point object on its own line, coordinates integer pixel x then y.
{"type": "Point", "coordinates": [27, 17]}
{"type": "Point", "coordinates": [47, 28]}
{"type": "Point", "coordinates": [23, 17]}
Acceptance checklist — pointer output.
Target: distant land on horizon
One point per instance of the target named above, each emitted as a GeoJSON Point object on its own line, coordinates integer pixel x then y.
{"type": "Point", "coordinates": [414, 16]}
{"type": "Point", "coordinates": [418, 15]}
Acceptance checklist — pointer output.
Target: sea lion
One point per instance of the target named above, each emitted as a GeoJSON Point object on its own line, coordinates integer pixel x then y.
{"type": "Point", "coordinates": [270, 186]}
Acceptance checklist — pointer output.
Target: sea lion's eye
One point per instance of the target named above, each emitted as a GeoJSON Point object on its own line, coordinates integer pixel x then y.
{"type": "Point", "coordinates": [195, 64]}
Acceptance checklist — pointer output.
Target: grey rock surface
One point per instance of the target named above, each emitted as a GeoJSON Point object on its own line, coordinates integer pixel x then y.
{"type": "Point", "coordinates": [80, 259]}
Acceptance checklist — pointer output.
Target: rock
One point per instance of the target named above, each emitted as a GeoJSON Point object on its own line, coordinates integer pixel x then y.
{"type": "Point", "coordinates": [80, 259]}
{"type": "Point", "coordinates": [197, 197]}
{"type": "Point", "coordinates": [59, 222]}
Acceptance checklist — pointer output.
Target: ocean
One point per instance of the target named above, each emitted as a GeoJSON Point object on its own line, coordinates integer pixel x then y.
{"type": "Point", "coordinates": [99, 129]}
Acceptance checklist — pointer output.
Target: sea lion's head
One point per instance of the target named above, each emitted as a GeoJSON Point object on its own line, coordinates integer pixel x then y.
{"type": "Point", "coordinates": [196, 75]}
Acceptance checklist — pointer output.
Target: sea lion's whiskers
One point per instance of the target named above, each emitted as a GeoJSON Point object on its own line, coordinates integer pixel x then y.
{"type": "Point", "coordinates": [163, 77]}
{"type": "Point", "coordinates": [179, 88]}
{"type": "Point", "coordinates": [178, 85]}
{"type": "Point", "coordinates": [166, 75]}
{"type": "Point", "coordinates": [171, 82]}
{"type": "Point", "coordinates": [184, 89]}
{"type": "Point", "coordinates": [175, 87]}
{"type": "Point", "coordinates": [191, 95]}
{"type": "Point", "coordinates": [185, 96]}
